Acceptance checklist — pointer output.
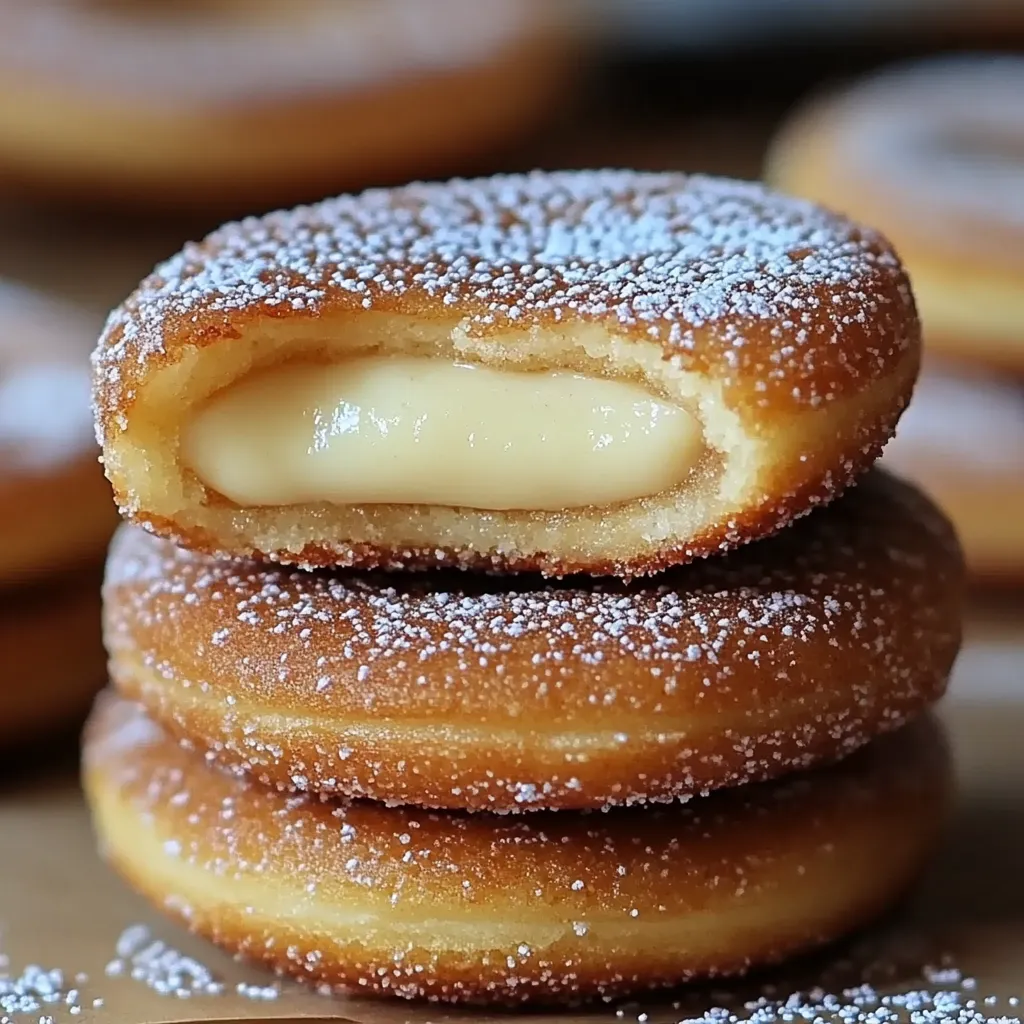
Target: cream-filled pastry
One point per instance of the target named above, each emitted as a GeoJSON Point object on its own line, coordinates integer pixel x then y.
{"type": "Point", "coordinates": [608, 372]}
{"type": "Point", "coordinates": [425, 431]}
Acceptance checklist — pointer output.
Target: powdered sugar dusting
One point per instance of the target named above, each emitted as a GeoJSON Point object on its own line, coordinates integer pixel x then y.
{"type": "Point", "coordinates": [662, 255]}
{"type": "Point", "coordinates": [160, 967]}
{"type": "Point", "coordinates": [605, 673]}
{"type": "Point", "coordinates": [41, 995]}
{"type": "Point", "coordinates": [49, 995]}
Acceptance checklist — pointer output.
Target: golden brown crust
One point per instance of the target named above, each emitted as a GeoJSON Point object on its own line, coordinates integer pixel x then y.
{"type": "Point", "coordinates": [51, 657]}
{"type": "Point", "coordinates": [789, 306]}
{"type": "Point", "coordinates": [793, 327]}
{"type": "Point", "coordinates": [929, 152]}
{"type": "Point", "coordinates": [784, 492]}
{"type": "Point", "coordinates": [48, 456]}
{"type": "Point", "coordinates": [291, 103]}
{"type": "Point", "coordinates": [550, 908]}
{"type": "Point", "coordinates": [509, 694]}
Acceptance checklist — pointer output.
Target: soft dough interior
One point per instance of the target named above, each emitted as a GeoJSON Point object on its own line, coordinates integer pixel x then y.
{"type": "Point", "coordinates": [728, 473]}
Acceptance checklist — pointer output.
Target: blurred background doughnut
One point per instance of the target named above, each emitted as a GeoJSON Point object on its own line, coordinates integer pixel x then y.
{"type": "Point", "coordinates": [51, 658]}
{"type": "Point", "coordinates": [699, 25]}
{"type": "Point", "coordinates": [933, 154]}
{"type": "Point", "coordinates": [246, 105]}
{"type": "Point", "coordinates": [962, 440]}
{"type": "Point", "coordinates": [55, 506]}
{"type": "Point", "coordinates": [56, 516]}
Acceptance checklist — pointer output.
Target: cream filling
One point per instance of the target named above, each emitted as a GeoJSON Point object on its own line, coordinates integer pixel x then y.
{"type": "Point", "coordinates": [423, 431]}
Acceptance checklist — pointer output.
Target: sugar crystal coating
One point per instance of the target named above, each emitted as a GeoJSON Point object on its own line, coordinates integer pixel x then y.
{"type": "Point", "coordinates": [160, 967]}
{"type": "Point", "coordinates": [728, 277]}
{"type": "Point", "coordinates": [557, 906]}
{"type": "Point", "coordinates": [794, 649]}
{"type": "Point", "coordinates": [949, 998]}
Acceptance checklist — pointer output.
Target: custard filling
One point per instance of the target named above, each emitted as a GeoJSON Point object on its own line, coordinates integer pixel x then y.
{"type": "Point", "coordinates": [424, 431]}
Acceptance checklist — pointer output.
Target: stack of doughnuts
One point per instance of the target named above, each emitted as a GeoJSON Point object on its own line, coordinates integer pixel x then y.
{"type": "Point", "coordinates": [933, 153]}
{"type": "Point", "coordinates": [55, 517]}
{"type": "Point", "coordinates": [489, 622]}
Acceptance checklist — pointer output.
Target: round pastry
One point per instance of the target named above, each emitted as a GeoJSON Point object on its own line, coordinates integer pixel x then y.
{"type": "Point", "coordinates": [549, 908]}
{"type": "Point", "coordinates": [608, 372]}
{"type": "Point", "coordinates": [55, 508]}
{"type": "Point", "coordinates": [505, 694]}
{"type": "Point", "coordinates": [251, 105]}
{"type": "Point", "coordinates": [932, 154]}
{"type": "Point", "coordinates": [51, 657]}
{"type": "Point", "coordinates": [962, 440]}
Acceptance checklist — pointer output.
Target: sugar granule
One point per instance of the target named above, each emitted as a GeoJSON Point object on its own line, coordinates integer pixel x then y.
{"type": "Point", "coordinates": [953, 1003]}
{"type": "Point", "coordinates": [160, 967]}
{"type": "Point", "coordinates": [36, 989]}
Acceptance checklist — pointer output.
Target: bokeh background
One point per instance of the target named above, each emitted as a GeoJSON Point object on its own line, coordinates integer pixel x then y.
{"type": "Point", "coordinates": [113, 112]}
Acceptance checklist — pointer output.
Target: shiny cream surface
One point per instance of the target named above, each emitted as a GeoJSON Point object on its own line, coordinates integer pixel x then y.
{"type": "Point", "coordinates": [382, 429]}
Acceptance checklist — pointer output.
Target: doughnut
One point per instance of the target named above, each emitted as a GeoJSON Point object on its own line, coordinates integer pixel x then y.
{"type": "Point", "coordinates": [504, 694]}
{"type": "Point", "coordinates": [932, 153]}
{"type": "Point", "coordinates": [962, 440]}
{"type": "Point", "coordinates": [609, 372]}
{"type": "Point", "coordinates": [47, 451]}
{"type": "Point", "coordinates": [249, 105]}
{"type": "Point", "coordinates": [362, 898]}
{"type": "Point", "coordinates": [51, 658]}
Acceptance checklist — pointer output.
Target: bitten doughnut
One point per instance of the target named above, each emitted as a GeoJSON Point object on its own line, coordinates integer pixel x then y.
{"type": "Point", "coordinates": [548, 908]}
{"type": "Point", "coordinates": [251, 105]}
{"type": "Point", "coordinates": [51, 657]}
{"type": "Point", "coordinates": [932, 154]}
{"type": "Point", "coordinates": [506, 694]}
{"type": "Point", "coordinates": [55, 509]}
{"type": "Point", "coordinates": [608, 372]}
{"type": "Point", "coordinates": [962, 440]}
